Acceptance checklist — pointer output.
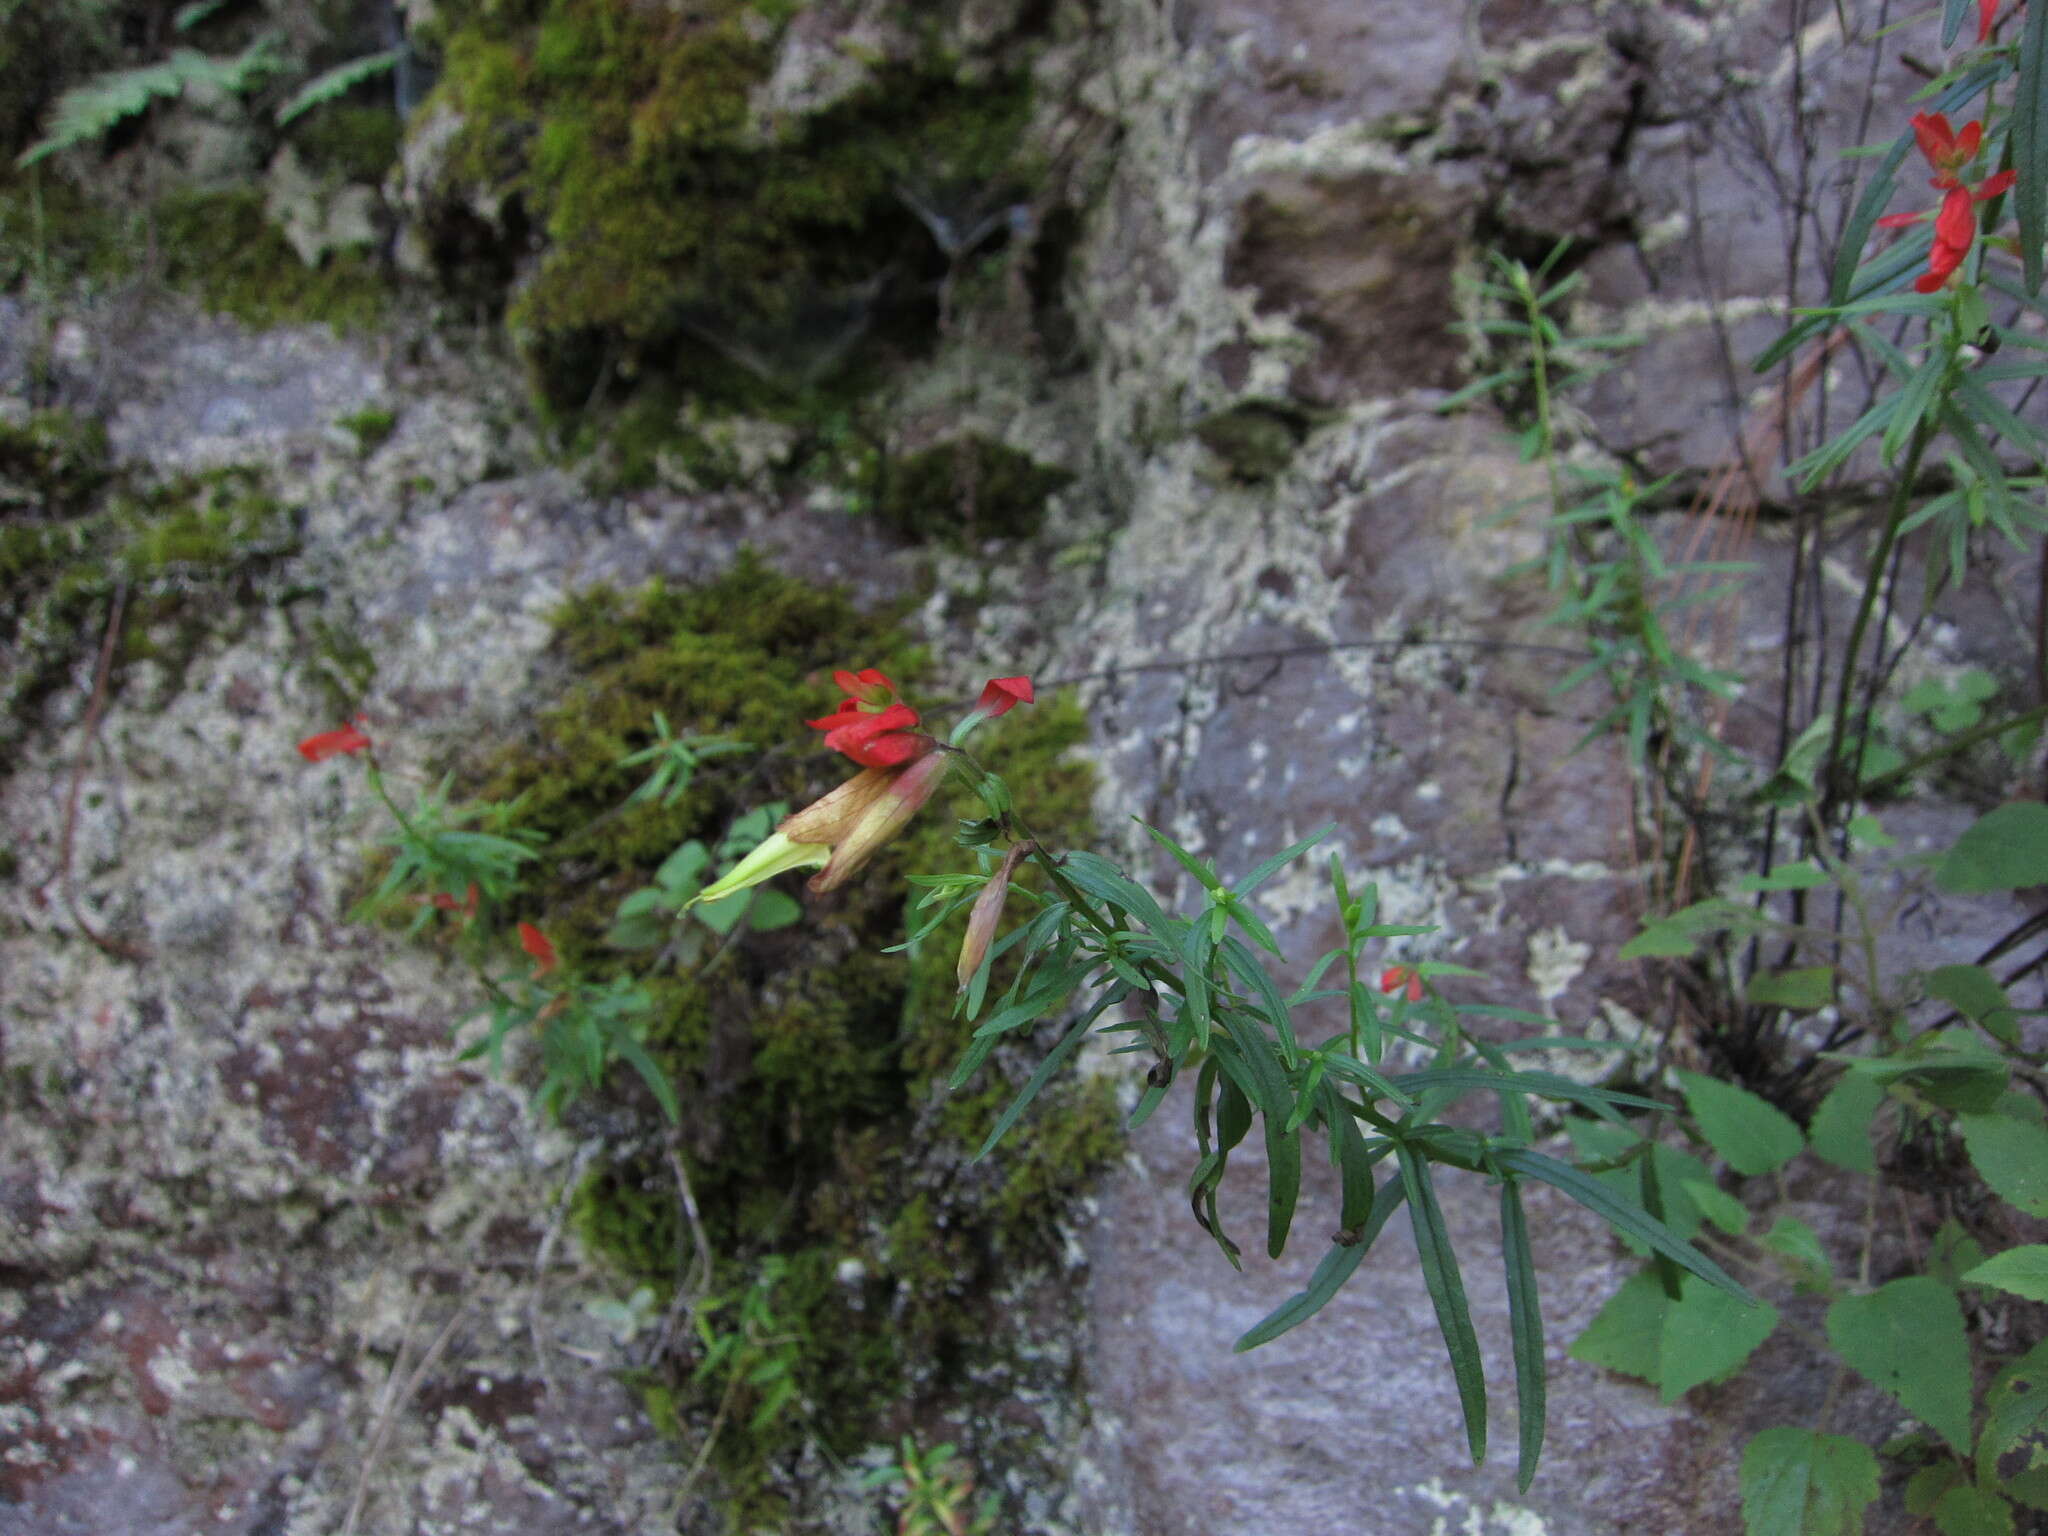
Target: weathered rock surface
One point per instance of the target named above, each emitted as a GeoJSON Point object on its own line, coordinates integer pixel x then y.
{"type": "Point", "coordinates": [271, 1261]}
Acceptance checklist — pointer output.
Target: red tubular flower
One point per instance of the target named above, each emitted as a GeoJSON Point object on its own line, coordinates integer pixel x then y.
{"type": "Point", "coordinates": [1955, 227]}
{"type": "Point", "coordinates": [1001, 695]}
{"type": "Point", "coordinates": [1946, 150]}
{"type": "Point", "coordinates": [872, 812]}
{"type": "Point", "coordinates": [1987, 12]}
{"type": "Point", "coordinates": [879, 739]}
{"type": "Point", "coordinates": [536, 944]}
{"type": "Point", "coordinates": [341, 742]}
{"type": "Point", "coordinates": [1396, 977]}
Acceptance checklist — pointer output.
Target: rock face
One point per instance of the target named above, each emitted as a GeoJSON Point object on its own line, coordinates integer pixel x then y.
{"type": "Point", "coordinates": [271, 1261]}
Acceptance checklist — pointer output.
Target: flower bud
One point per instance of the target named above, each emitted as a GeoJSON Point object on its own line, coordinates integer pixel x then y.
{"type": "Point", "coordinates": [988, 911]}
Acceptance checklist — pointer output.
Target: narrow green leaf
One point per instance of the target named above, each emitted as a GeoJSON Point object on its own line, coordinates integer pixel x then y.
{"type": "Point", "coordinates": [338, 81]}
{"type": "Point", "coordinates": [1803, 876]}
{"type": "Point", "coordinates": [1953, 13]}
{"type": "Point", "coordinates": [1104, 881]}
{"type": "Point", "coordinates": [2022, 1271]}
{"type": "Point", "coordinates": [1907, 1338]}
{"type": "Point", "coordinates": [1330, 1274]}
{"type": "Point", "coordinates": [1799, 1482]}
{"type": "Point", "coordinates": [2011, 1154]}
{"type": "Point", "coordinates": [1856, 234]}
{"type": "Point", "coordinates": [636, 1057]}
{"type": "Point", "coordinates": [2027, 132]}
{"type": "Point", "coordinates": [1525, 1327]}
{"type": "Point", "coordinates": [1629, 1220]}
{"type": "Point", "coordinates": [1446, 1294]}
{"type": "Point", "coordinates": [1753, 1136]}
{"type": "Point", "coordinates": [1036, 1083]}
{"type": "Point", "coordinates": [1187, 861]}
{"type": "Point", "coordinates": [1272, 866]}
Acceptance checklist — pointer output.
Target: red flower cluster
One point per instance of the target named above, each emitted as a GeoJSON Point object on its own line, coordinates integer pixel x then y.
{"type": "Point", "coordinates": [1955, 225]}
{"type": "Point", "coordinates": [1397, 978]}
{"type": "Point", "coordinates": [341, 742]}
{"type": "Point", "coordinates": [877, 730]}
{"type": "Point", "coordinates": [871, 725]}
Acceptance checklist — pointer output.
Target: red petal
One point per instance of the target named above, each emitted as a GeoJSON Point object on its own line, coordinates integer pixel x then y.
{"type": "Point", "coordinates": [335, 743]}
{"type": "Point", "coordinates": [1968, 140]}
{"type": "Point", "coordinates": [1955, 225]}
{"type": "Point", "coordinates": [1935, 137]}
{"type": "Point", "coordinates": [1987, 12]}
{"type": "Point", "coordinates": [1003, 694]}
{"type": "Point", "coordinates": [1993, 185]}
{"type": "Point", "coordinates": [866, 686]}
{"type": "Point", "coordinates": [536, 944]}
{"type": "Point", "coordinates": [878, 740]}
{"type": "Point", "coordinates": [1900, 220]}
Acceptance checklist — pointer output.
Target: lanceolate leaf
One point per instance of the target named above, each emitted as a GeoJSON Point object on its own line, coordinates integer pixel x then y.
{"type": "Point", "coordinates": [1627, 1219]}
{"type": "Point", "coordinates": [2011, 1153]}
{"type": "Point", "coordinates": [2028, 127]}
{"type": "Point", "coordinates": [1447, 1294]}
{"type": "Point", "coordinates": [2023, 1271]}
{"type": "Point", "coordinates": [1525, 1325]}
{"type": "Point", "coordinates": [1336, 1267]}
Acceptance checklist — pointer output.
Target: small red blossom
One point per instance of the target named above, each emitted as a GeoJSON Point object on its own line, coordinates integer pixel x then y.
{"type": "Point", "coordinates": [1955, 228]}
{"type": "Point", "coordinates": [536, 944]}
{"type": "Point", "coordinates": [1001, 695]}
{"type": "Point", "coordinates": [866, 686]}
{"type": "Point", "coordinates": [1987, 13]}
{"type": "Point", "coordinates": [1946, 150]}
{"type": "Point", "coordinates": [466, 906]}
{"type": "Point", "coordinates": [1396, 977]}
{"type": "Point", "coordinates": [341, 742]}
{"type": "Point", "coordinates": [882, 739]}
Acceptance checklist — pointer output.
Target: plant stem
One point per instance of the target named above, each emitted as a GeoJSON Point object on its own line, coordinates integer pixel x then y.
{"type": "Point", "coordinates": [1895, 515]}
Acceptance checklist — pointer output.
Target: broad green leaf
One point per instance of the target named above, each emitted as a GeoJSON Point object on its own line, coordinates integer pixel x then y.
{"type": "Point", "coordinates": [1525, 1328]}
{"type": "Point", "coordinates": [1627, 1334]}
{"type": "Point", "coordinates": [1754, 1137]}
{"type": "Point", "coordinates": [2023, 1271]}
{"type": "Point", "coordinates": [1799, 1482]}
{"type": "Point", "coordinates": [1961, 1076]}
{"type": "Point", "coordinates": [1800, 990]}
{"type": "Point", "coordinates": [1706, 1335]}
{"type": "Point", "coordinates": [1967, 1510]}
{"type": "Point", "coordinates": [1718, 1206]}
{"type": "Point", "coordinates": [1841, 1126]}
{"type": "Point", "coordinates": [772, 910]}
{"type": "Point", "coordinates": [1907, 1338]}
{"type": "Point", "coordinates": [2006, 850]}
{"type": "Point", "coordinates": [1631, 1221]}
{"type": "Point", "coordinates": [2011, 1154]}
{"type": "Point", "coordinates": [1975, 993]}
{"type": "Point", "coordinates": [2012, 1449]}
{"type": "Point", "coordinates": [1446, 1294]}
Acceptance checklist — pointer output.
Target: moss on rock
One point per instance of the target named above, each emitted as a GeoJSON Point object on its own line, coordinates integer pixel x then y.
{"type": "Point", "coordinates": [75, 528]}
{"type": "Point", "coordinates": [810, 1066]}
{"type": "Point", "coordinates": [967, 489]}
{"type": "Point", "coordinates": [682, 234]}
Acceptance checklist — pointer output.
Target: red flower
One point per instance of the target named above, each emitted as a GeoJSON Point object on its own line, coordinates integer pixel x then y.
{"type": "Point", "coordinates": [1946, 150]}
{"type": "Point", "coordinates": [536, 944]}
{"type": "Point", "coordinates": [343, 741]}
{"type": "Point", "coordinates": [1003, 694]}
{"type": "Point", "coordinates": [1987, 12]}
{"type": "Point", "coordinates": [447, 903]}
{"type": "Point", "coordinates": [870, 726]}
{"type": "Point", "coordinates": [1955, 227]}
{"type": "Point", "coordinates": [1395, 977]}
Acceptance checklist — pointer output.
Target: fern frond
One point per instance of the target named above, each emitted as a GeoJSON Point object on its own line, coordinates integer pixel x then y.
{"type": "Point", "coordinates": [338, 81]}
{"type": "Point", "coordinates": [87, 111]}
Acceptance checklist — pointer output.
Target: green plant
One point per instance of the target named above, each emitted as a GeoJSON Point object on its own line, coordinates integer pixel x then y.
{"type": "Point", "coordinates": [935, 1492]}
{"type": "Point", "coordinates": [86, 112]}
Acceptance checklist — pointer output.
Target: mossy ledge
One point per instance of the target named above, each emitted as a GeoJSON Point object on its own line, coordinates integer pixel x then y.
{"type": "Point", "coordinates": [811, 1067]}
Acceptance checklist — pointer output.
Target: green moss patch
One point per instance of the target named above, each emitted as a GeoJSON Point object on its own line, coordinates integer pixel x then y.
{"type": "Point", "coordinates": [967, 489]}
{"type": "Point", "coordinates": [74, 529]}
{"type": "Point", "coordinates": [681, 234]}
{"type": "Point", "coordinates": [810, 1066]}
